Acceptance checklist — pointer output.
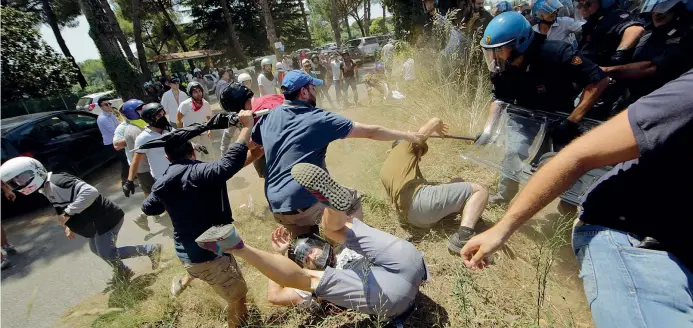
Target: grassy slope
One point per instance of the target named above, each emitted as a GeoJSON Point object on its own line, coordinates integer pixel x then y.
{"type": "Point", "coordinates": [533, 282]}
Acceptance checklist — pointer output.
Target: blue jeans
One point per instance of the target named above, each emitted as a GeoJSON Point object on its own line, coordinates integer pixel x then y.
{"type": "Point", "coordinates": [630, 287]}
{"type": "Point", "coordinates": [104, 246]}
{"type": "Point", "coordinates": [520, 134]}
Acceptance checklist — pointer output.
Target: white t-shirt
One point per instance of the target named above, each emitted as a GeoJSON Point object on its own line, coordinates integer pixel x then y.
{"type": "Point", "coordinates": [336, 69]}
{"type": "Point", "coordinates": [171, 104]}
{"type": "Point", "coordinates": [388, 52]}
{"type": "Point", "coordinates": [267, 87]}
{"type": "Point", "coordinates": [156, 157]}
{"type": "Point", "coordinates": [191, 116]}
{"type": "Point", "coordinates": [562, 29]}
{"type": "Point", "coordinates": [408, 70]}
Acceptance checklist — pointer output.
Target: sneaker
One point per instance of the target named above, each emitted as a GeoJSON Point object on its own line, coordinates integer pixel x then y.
{"type": "Point", "coordinates": [155, 256]}
{"type": "Point", "coordinates": [498, 200]}
{"type": "Point", "coordinates": [4, 263]}
{"type": "Point", "coordinates": [321, 185]}
{"type": "Point", "coordinates": [9, 248]}
{"type": "Point", "coordinates": [158, 218]}
{"type": "Point", "coordinates": [177, 286]}
{"type": "Point", "coordinates": [141, 221]}
{"type": "Point", "coordinates": [456, 241]}
{"type": "Point", "coordinates": [220, 238]}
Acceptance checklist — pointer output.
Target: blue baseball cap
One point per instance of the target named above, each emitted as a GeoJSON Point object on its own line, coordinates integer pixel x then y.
{"type": "Point", "coordinates": [295, 80]}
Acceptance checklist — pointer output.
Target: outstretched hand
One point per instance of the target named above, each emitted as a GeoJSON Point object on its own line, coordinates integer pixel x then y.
{"type": "Point", "coordinates": [442, 129]}
{"type": "Point", "coordinates": [478, 249]}
{"type": "Point", "coordinates": [281, 240]}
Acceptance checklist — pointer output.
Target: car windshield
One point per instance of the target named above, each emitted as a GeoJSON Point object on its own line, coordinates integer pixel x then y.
{"type": "Point", "coordinates": [85, 101]}
{"type": "Point", "coordinates": [354, 43]}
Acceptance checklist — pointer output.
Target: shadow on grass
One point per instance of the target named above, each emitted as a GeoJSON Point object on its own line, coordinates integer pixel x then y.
{"type": "Point", "coordinates": [127, 293]}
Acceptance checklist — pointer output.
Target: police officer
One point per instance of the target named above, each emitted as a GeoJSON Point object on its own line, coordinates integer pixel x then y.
{"type": "Point", "coordinates": [538, 74]}
{"type": "Point", "coordinates": [663, 53]}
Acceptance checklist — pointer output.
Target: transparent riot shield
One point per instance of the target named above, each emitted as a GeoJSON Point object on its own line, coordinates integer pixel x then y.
{"type": "Point", "coordinates": [516, 142]}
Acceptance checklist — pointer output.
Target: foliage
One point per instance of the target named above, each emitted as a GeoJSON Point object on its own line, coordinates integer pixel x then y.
{"type": "Point", "coordinates": [381, 26]}
{"type": "Point", "coordinates": [66, 11]}
{"type": "Point", "coordinates": [30, 68]}
{"type": "Point", "coordinates": [95, 73]}
{"type": "Point", "coordinates": [408, 17]}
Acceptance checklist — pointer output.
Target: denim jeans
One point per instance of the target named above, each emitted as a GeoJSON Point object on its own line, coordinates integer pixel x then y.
{"type": "Point", "coordinates": [350, 82]}
{"type": "Point", "coordinates": [630, 287]}
{"type": "Point", "coordinates": [520, 134]}
{"type": "Point", "coordinates": [104, 246]}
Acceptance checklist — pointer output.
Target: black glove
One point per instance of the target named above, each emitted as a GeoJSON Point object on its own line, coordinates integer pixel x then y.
{"type": "Point", "coordinates": [128, 188]}
{"type": "Point", "coordinates": [621, 57]}
{"type": "Point", "coordinates": [563, 132]}
{"type": "Point", "coordinates": [222, 121]}
{"type": "Point", "coordinates": [200, 148]}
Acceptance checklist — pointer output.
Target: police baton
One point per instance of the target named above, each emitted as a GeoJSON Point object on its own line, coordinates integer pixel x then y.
{"type": "Point", "coordinates": [437, 136]}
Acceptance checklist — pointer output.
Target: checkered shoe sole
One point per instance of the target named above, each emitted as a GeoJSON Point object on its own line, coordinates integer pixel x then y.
{"type": "Point", "coordinates": [320, 184]}
{"type": "Point", "coordinates": [219, 238]}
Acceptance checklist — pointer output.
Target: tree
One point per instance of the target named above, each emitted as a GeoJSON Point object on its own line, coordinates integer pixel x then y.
{"type": "Point", "coordinates": [117, 30]}
{"type": "Point", "coordinates": [334, 15]}
{"type": "Point", "coordinates": [380, 26]}
{"type": "Point", "coordinates": [269, 25]}
{"type": "Point", "coordinates": [137, 34]}
{"type": "Point", "coordinates": [305, 20]}
{"type": "Point", "coordinates": [95, 73]}
{"type": "Point", "coordinates": [124, 76]}
{"type": "Point", "coordinates": [30, 68]}
{"type": "Point", "coordinates": [174, 28]}
{"type": "Point", "coordinates": [232, 31]}
{"type": "Point", "coordinates": [56, 14]}
{"type": "Point", "coordinates": [366, 17]}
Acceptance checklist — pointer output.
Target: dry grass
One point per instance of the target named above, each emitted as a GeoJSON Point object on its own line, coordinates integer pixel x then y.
{"type": "Point", "coordinates": [533, 282]}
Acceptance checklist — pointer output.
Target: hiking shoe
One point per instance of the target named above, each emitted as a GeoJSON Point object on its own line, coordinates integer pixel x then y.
{"type": "Point", "coordinates": [177, 286]}
{"type": "Point", "coordinates": [155, 256]}
{"type": "Point", "coordinates": [141, 221]}
{"type": "Point", "coordinates": [220, 238]}
{"type": "Point", "coordinates": [321, 185]}
{"type": "Point", "coordinates": [9, 248]}
{"type": "Point", "coordinates": [457, 240]}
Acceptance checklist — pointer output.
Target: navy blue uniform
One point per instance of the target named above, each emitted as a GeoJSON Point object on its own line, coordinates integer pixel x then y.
{"type": "Point", "coordinates": [602, 34]}
{"type": "Point", "coordinates": [547, 82]}
{"type": "Point", "coordinates": [670, 49]}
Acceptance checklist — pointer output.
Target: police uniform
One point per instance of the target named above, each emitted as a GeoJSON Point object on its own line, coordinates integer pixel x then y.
{"type": "Point", "coordinates": [602, 34]}
{"type": "Point", "coordinates": [670, 49]}
{"type": "Point", "coordinates": [546, 84]}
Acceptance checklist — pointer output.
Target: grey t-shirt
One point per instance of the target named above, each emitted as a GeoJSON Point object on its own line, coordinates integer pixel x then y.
{"type": "Point", "coordinates": [648, 196]}
{"type": "Point", "coordinates": [130, 133]}
{"type": "Point", "coordinates": [156, 157]}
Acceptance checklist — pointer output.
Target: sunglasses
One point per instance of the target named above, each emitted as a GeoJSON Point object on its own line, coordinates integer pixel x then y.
{"type": "Point", "coordinates": [585, 4]}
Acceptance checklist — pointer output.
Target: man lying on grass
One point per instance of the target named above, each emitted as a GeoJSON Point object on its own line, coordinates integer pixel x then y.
{"type": "Point", "coordinates": [385, 284]}
{"type": "Point", "coordinates": [423, 204]}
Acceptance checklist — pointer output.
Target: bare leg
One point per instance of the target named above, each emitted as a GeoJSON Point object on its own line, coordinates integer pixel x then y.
{"type": "Point", "coordinates": [475, 205]}
{"type": "Point", "coordinates": [237, 313]}
{"type": "Point", "coordinates": [279, 268]}
{"type": "Point", "coordinates": [187, 280]}
{"type": "Point", "coordinates": [335, 224]}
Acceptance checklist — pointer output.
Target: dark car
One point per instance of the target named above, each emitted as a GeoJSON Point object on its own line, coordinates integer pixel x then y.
{"type": "Point", "coordinates": [64, 141]}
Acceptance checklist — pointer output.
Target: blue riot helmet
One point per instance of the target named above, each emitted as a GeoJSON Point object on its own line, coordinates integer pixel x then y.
{"type": "Point", "coordinates": [503, 6]}
{"type": "Point", "coordinates": [506, 37]}
{"type": "Point", "coordinates": [130, 107]}
{"type": "Point", "coordinates": [546, 10]}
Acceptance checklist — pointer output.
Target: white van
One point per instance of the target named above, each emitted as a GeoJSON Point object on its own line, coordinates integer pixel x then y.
{"type": "Point", "coordinates": [368, 46]}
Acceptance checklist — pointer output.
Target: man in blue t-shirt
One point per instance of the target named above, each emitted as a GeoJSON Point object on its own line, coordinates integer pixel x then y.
{"type": "Point", "coordinates": [632, 239]}
{"type": "Point", "coordinates": [298, 132]}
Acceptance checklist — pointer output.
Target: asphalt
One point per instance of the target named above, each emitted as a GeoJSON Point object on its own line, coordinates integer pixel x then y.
{"type": "Point", "coordinates": [50, 274]}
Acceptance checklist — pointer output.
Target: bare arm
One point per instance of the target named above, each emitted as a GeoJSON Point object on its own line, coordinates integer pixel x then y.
{"type": "Point", "coordinates": [282, 296]}
{"type": "Point", "coordinates": [377, 132]}
{"type": "Point", "coordinates": [179, 119]}
{"type": "Point", "coordinates": [137, 158]}
{"type": "Point", "coordinates": [590, 95]}
{"type": "Point", "coordinates": [255, 151]}
{"type": "Point", "coordinates": [433, 125]}
{"type": "Point", "coordinates": [630, 37]}
{"type": "Point", "coordinates": [119, 144]}
{"type": "Point", "coordinates": [636, 70]}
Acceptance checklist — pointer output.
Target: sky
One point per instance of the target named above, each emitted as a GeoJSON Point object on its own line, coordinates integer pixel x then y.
{"type": "Point", "coordinates": [82, 46]}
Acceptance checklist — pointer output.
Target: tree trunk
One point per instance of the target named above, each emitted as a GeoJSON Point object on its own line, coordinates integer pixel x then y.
{"type": "Point", "coordinates": [359, 22]}
{"type": "Point", "coordinates": [269, 26]}
{"type": "Point", "coordinates": [119, 33]}
{"type": "Point", "coordinates": [238, 50]}
{"type": "Point", "coordinates": [101, 30]}
{"type": "Point", "coordinates": [305, 22]}
{"type": "Point", "coordinates": [335, 23]}
{"type": "Point", "coordinates": [384, 10]}
{"type": "Point", "coordinates": [50, 16]}
{"type": "Point", "coordinates": [366, 17]}
{"type": "Point", "coordinates": [139, 44]}
{"type": "Point", "coordinates": [174, 28]}
{"type": "Point", "coordinates": [348, 28]}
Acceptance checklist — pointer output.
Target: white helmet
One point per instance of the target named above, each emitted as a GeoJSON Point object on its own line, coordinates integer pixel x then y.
{"type": "Point", "coordinates": [243, 77]}
{"type": "Point", "coordinates": [265, 61]}
{"type": "Point", "coordinates": [23, 174]}
{"type": "Point", "coordinates": [197, 70]}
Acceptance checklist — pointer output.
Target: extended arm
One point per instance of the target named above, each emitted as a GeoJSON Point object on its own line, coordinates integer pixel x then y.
{"type": "Point", "coordinates": [86, 195]}
{"type": "Point", "coordinates": [119, 144]}
{"type": "Point", "coordinates": [377, 132]}
{"type": "Point", "coordinates": [631, 36]}
{"type": "Point", "coordinates": [636, 70]}
{"type": "Point", "coordinates": [590, 95]}
{"type": "Point", "coordinates": [233, 161]}
{"type": "Point", "coordinates": [282, 296]}
{"type": "Point", "coordinates": [152, 205]}
{"type": "Point", "coordinates": [179, 118]}
{"type": "Point", "coordinates": [137, 158]}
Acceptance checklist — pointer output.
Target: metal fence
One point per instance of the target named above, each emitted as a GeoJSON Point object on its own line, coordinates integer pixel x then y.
{"type": "Point", "coordinates": [30, 106]}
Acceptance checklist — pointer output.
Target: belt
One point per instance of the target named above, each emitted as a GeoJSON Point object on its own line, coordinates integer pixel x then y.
{"type": "Point", "coordinates": [294, 212]}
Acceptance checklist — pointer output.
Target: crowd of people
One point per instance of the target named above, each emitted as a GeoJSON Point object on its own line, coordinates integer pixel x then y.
{"type": "Point", "coordinates": [633, 70]}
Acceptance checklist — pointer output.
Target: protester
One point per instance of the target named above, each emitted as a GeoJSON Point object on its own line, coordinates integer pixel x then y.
{"type": "Point", "coordinates": [107, 123]}
{"type": "Point", "coordinates": [151, 94]}
{"type": "Point", "coordinates": [124, 139]}
{"type": "Point", "coordinates": [320, 72]}
{"type": "Point", "coordinates": [245, 79]}
{"type": "Point", "coordinates": [7, 248]}
{"type": "Point", "coordinates": [502, 7]}
{"type": "Point", "coordinates": [298, 132]}
{"type": "Point", "coordinates": [222, 83]}
{"type": "Point", "coordinates": [633, 251]}
{"type": "Point", "coordinates": [377, 81]}
{"type": "Point", "coordinates": [81, 210]}
{"type": "Point", "coordinates": [172, 99]}
{"type": "Point", "coordinates": [479, 18]}
{"type": "Point", "coordinates": [280, 70]}
{"type": "Point", "coordinates": [287, 63]}
{"type": "Point", "coordinates": [197, 110]}
{"type": "Point", "coordinates": [545, 13]}
{"type": "Point", "coordinates": [387, 56]}
{"type": "Point", "coordinates": [350, 75]}
{"type": "Point", "coordinates": [663, 53]}
{"type": "Point", "coordinates": [537, 74]}
{"type": "Point", "coordinates": [194, 189]}
{"type": "Point", "coordinates": [383, 283]}
{"type": "Point", "coordinates": [423, 204]}
{"type": "Point", "coordinates": [337, 77]}
{"type": "Point", "coordinates": [265, 80]}
{"type": "Point", "coordinates": [199, 78]}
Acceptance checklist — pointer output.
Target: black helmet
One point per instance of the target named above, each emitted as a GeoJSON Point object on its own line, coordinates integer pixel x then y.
{"type": "Point", "coordinates": [233, 97]}
{"type": "Point", "coordinates": [193, 85]}
{"type": "Point", "coordinates": [345, 52]}
{"type": "Point", "coordinates": [149, 112]}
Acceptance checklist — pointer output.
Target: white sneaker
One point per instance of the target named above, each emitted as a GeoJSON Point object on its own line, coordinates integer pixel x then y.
{"type": "Point", "coordinates": [141, 221]}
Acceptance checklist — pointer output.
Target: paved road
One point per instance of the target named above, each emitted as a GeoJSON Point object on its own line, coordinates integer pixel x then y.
{"type": "Point", "coordinates": [50, 273]}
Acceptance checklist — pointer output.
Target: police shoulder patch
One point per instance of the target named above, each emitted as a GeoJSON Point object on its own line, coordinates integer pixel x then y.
{"type": "Point", "coordinates": [624, 15]}
{"type": "Point", "coordinates": [576, 60]}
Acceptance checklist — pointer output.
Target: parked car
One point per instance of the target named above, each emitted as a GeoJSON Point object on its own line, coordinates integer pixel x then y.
{"type": "Point", "coordinates": [64, 141]}
{"type": "Point", "coordinates": [90, 103]}
{"type": "Point", "coordinates": [354, 53]}
{"type": "Point", "coordinates": [369, 45]}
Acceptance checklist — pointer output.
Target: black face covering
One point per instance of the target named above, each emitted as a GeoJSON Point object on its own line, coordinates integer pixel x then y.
{"type": "Point", "coordinates": [162, 123]}
{"type": "Point", "coordinates": [269, 75]}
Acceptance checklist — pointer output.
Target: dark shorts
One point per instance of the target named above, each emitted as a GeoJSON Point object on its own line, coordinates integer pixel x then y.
{"type": "Point", "coordinates": [146, 182]}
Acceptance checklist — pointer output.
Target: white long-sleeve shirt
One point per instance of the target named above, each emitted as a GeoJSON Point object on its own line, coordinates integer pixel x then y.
{"type": "Point", "coordinates": [562, 29]}
{"type": "Point", "coordinates": [168, 100]}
